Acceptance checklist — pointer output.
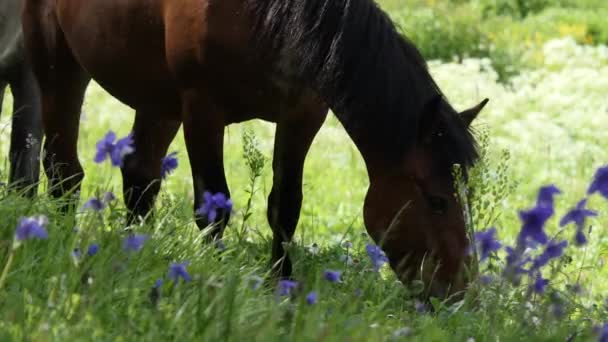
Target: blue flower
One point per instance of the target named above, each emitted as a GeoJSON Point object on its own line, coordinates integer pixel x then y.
{"type": "Point", "coordinates": [158, 283]}
{"type": "Point", "coordinates": [94, 204]}
{"type": "Point", "coordinates": [213, 203]}
{"type": "Point", "coordinates": [168, 164]}
{"type": "Point", "coordinates": [105, 146]}
{"type": "Point", "coordinates": [578, 215]}
{"type": "Point", "coordinates": [116, 151]}
{"type": "Point", "coordinates": [553, 250]}
{"type": "Point", "coordinates": [533, 221]}
{"type": "Point", "coordinates": [332, 276]}
{"type": "Point", "coordinates": [108, 197]}
{"type": "Point", "coordinates": [539, 284]}
{"type": "Point", "coordinates": [134, 242]}
{"type": "Point", "coordinates": [487, 243]}
{"type": "Point", "coordinates": [376, 255]}
{"type": "Point", "coordinates": [546, 194]}
{"type": "Point", "coordinates": [286, 287]}
{"type": "Point", "coordinates": [178, 270]}
{"type": "Point", "coordinates": [32, 227]}
{"type": "Point", "coordinates": [600, 182]}
{"type": "Point", "coordinates": [93, 249]}
{"type": "Point", "coordinates": [311, 298]}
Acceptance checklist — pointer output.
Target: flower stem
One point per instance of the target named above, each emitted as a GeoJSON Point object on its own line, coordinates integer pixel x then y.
{"type": "Point", "coordinates": [7, 266]}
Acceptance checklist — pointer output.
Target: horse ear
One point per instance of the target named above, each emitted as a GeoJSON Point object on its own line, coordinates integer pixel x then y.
{"type": "Point", "coordinates": [431, 119]}
{"type": "Point", "coordinates": [470, 114]}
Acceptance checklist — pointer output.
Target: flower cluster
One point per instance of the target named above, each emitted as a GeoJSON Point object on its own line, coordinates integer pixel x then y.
{"type": "Point", "coordinates": [98, 204]}
{"type": "Point", "coordinates": [534, 250]}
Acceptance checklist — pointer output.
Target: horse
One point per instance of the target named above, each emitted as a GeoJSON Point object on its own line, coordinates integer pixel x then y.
{"type": "Point", "coordinates": [211, 63]}
{"type": "Point", "coordinates": [26, 133]}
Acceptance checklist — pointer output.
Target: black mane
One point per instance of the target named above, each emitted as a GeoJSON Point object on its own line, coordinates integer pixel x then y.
{"type": "Point", "coordinates": [372, 77]}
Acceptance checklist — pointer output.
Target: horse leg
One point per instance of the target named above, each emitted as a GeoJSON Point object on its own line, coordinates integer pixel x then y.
{"type": "Point", "coordinates": [2, 89]}
{"type": "Point", "coordinates": [26, 136]}
{"type": "Point", "coordinates": [293, 138]}
{"type": "Point", "coordinates": [204, 135]}
{"type": "Point", "coordinates": [152, 135]}
{"type": "Point", "coordinates": [62, 85]}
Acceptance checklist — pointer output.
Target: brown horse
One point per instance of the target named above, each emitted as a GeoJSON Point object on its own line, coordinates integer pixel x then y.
{"type": "Point", "coordinates": [210, 63]}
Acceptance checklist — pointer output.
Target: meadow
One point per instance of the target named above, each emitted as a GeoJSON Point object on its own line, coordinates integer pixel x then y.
{"type": "Point", "coordinates": [544, 66]}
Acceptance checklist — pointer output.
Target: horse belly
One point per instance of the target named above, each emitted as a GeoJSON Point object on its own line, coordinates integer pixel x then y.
{"type": "Point", "coordinates": [122, 48]}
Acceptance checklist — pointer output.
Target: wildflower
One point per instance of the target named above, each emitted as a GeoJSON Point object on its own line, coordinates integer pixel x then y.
{"type": "Point", "coordinates": [93, 249]}
{"type": "Point", "coordinates": [533, 224]}
{"type": "Point", "coordinates": [116, 151]}
{"type": "Point", "coordinates": [94, 204]}
{"type": "Point", "coordinates": [539, 284]}
{"type": "Point", "coordinates": [376, 255]}
{"type": "Point", "coordinates": [347, 244]}
{"type": "Point", "coordinates": [546, 194]}
{"type": "Point", "coordinates": [311, 298]}
{"type": "Point", "coordinates": [420, 307]}
{"type": "Point", "coordinates": [158, 283]}
{"type": "Point", "coordinates": [577, 216]}
{"type": "Point", "coordinates": [553, 250]}
{"type": "Point", "coordinates": [213, 203]}
{"type": "Point", "coordinates": [168, 164]}
{"type": "Point", "coordinates": [486, 279]}
{"type": "Point", "coordinates": [134, 242]}
{"type": "Point", "coordinates": [332, 276]}
{"type": "Point", "coordinates": [516, 260]}
{"type": "Point", "coordinates": [178, 270]}
{"type": "Point", "coordinates": [600, 182]}
{"type": "Point", "coordinates": [32, 227]}
{"type": "Point", "coordinates": [487, 242]}
{"type": "Point", "coordinates": [108, 197]}
{"type": "Point", "coordinates": [285, 287]}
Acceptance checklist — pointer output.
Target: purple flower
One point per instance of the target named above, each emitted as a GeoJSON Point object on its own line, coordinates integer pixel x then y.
{"type": "Point", "coordinates": [93, 249]}
{"type": "Point", "coordinates": [553, 250]}
{"type": "Point", "coordinates": [94, 204]}
{"type": "Point", "coordinates": [311, 298]}
{"type": "Point", "coordinates": [285, 287]}
{"type": "Point", "coordinates": [178, 270]}
{"type": "Point", "coordinates": [134, 242]}
{"type": "Point", "coordinates": [516, 260]}
{"type": "Point", "coordinates": [546, 194]}
{"type": "Point", "coordinates": [420, 307]}
{"type": "Point", "coordinates": [578, 215]}
{"type": "Point", "coordinates": [108, 197]}
{"type": "Point", "coordinates": [168, 164]}
{"type": "Point", "coordinates": [539, 284]}
{"type": "Point", "coordinates": [32, 227]}
{"type": "Point", "coordinates": [332, 276]}
{"type": "Point", "coordinates": [487, 243]}
{"type": "Point", "coordinates": [376, 255]}
{"type": "Point", "coordinates": [158, 283]}
{"type": "Point", "coordinates": [580, 238]}
{"type": "Point", "coordinates": [486, 279]}
{"type": "Point", "coordinates": [116, 151]}
{"type": "Point", "coordinates": [600, 182]}
{"type": "Point", "coordinates": [105, 146]}
{"type": "Point", "coordinates": [213, 203]}
{"type": "Point", "coordinates": [533, 221]}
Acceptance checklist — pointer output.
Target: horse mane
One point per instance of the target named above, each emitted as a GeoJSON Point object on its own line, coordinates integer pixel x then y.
{"type": "Point", "coordinates": [372, 77]}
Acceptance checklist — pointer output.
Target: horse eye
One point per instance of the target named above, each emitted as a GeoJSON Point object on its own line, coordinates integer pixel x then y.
{"type": "Point", "coordinates": [439, 205]}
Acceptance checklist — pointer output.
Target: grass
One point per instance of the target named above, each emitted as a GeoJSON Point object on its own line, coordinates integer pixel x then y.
{"type": "Point", "coordinates": [549, 119]}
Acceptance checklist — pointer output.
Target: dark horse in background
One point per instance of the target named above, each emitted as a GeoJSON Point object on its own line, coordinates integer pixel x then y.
{"type": "Point", "coordinates": [26, 133]}
{"type": "Point", "coordinates": [210, 63]}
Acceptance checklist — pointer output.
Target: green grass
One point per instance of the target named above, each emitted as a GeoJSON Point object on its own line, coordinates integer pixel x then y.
{"type": "Point", "coordinates": [551, 120]}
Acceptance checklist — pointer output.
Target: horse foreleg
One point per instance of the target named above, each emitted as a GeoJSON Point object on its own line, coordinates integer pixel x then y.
{"type": "Point", "coordinates": [204, 134]}
{"type": "Point", "coordinates": [26, 136]}
{"type": "Point", "coordinates": [294, 135]}
{"type": "Point", "coordinates": [62, 86]}
{"type": "Point", "coordinates": [141, 169]}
